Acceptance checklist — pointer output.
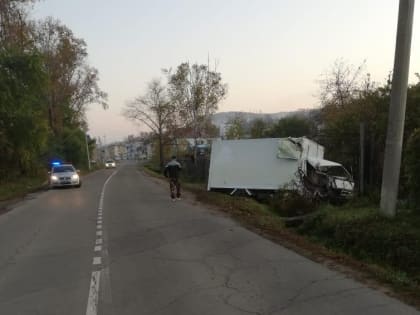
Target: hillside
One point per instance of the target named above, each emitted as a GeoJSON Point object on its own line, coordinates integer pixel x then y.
{"type": "Point", "coordinates": [220, 119]}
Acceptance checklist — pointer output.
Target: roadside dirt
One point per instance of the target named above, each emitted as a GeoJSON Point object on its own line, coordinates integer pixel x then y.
{"type": "Point", "coordinates": [8, 205]}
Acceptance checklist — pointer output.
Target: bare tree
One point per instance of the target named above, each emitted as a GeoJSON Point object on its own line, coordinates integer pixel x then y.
{"type": "Point", "coordinates": [342, 83]}
{"type": "Point", "coordinates": [153, 110]}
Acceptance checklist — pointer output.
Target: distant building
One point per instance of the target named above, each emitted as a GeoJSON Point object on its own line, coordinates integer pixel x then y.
{"type": "Point", "coordinates": [115, 151]}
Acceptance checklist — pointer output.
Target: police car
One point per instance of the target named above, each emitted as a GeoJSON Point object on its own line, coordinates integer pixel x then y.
{"type": "Point", "coordinates": [62, 175]}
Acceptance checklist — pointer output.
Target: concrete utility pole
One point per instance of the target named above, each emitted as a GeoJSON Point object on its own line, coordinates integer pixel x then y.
{"type": "Point", "coordinates": [396, 116]}
{"type": "Point", "coordinates": [87, 151]}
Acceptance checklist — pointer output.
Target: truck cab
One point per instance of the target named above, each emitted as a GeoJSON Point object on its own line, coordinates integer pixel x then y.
{"type": "Point", "coordinates": [326, 179]}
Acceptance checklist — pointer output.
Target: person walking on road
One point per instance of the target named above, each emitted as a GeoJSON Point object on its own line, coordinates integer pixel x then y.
{"type": "Point", "coordinates": [172, 170]}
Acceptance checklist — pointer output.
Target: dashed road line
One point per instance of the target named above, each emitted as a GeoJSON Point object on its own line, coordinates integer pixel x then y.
{"type": "Point", "coordinates": [93, 297]}
{"type": "Point", "coordinates": [92, 307]}
{"type": "Point", "coordinates": [97, 260]}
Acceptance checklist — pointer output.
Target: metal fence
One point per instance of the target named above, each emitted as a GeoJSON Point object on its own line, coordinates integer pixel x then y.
{"type": "Point", "coordinates": [195, 171]}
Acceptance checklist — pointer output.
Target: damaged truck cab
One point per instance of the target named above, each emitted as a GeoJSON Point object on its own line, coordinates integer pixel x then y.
{"type": "Point", "coordinates": [326, 180]}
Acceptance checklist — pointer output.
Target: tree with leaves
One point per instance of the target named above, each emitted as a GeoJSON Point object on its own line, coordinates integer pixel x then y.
{"type": "Point", "coordinates": [291, 126]}
{"type": "Point", "coordinates": [236, 127]}
{"type": "Point", "coordinates": [259, 128]}
{"type": "Point", "coordinates": [23, 125]}
{"type": "Point", "coordinates": [154, 110]}
{"type": "Point", "coordinates": [72, 83]}
{"type": "Point", "coordinates": [196, 92]}
{"type": "Point", "coordinates": [15, 28]}
{"type": "Point", "coordinates": [46, 86]}
{"type": "Point", "coordinates": [349, 99]}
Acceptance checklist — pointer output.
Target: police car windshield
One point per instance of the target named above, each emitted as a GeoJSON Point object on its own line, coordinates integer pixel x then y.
{"type": "Point", "coordinates": [63, 169]}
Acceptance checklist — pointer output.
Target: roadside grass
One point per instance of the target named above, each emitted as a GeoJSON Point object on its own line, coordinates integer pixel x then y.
{"type": "Point", "coordinates": [359, 231]}
{"type": "Point", "coordinates": [19, 187]}
{"type": "Point", "coordinates": [248, 211]}
{"type": "Point", "coordinates": [94, 168]}
{"type": "Point", "coordinates": [352, 238]}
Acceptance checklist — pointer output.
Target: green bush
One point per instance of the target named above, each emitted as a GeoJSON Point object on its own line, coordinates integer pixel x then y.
{"type": "Point", "coordinates": [154, 167]}
{"type": "Point", "coordinates": [362, 233]}
{"type": "Point", "coordinates": [288, 203]}
{"type": "Point", "coordinates": [412, 168]}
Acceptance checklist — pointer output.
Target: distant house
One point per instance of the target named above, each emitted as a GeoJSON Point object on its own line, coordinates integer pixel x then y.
{"type": "Point", "coordinates": [116, 151]}
{"type": "Point", "coordinates": [138, 148]}
{"type": "Point", "coordinates": [184, 147]}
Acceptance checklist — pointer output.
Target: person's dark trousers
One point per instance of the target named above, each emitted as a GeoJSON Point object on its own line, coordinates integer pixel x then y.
{"type": "Point", "coordinates": [175, 187]}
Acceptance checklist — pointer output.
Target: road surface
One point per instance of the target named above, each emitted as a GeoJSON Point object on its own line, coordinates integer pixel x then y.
{"type": "Point", "coordinates": [120, 246]}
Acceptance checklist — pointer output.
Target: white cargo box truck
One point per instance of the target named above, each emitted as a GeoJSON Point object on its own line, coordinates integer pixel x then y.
{"type": "Point", "coordinates": [274, 163]}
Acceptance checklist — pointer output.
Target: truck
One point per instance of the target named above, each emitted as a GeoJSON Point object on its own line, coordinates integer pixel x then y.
{"type": "Point", "coordinates": [270, 164]}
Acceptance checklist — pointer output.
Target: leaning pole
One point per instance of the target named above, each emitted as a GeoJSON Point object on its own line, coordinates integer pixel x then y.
{"type": "Point", "coordinates": [396, 116]}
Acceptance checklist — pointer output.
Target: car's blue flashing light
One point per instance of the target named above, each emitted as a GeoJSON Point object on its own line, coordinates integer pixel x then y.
{"type": "Point", "coordinates": [56, 163]}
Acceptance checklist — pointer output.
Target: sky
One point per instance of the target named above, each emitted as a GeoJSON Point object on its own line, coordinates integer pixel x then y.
{"type": "Point", "coordinates": [271, 53]}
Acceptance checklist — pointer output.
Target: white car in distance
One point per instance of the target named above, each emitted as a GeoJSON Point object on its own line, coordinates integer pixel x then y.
{"type": "Point", "coordinates": [110, 164]}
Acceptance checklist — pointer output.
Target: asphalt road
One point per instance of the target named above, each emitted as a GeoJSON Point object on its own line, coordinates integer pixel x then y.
{"type": "Point", "coordinates": [120, 246]}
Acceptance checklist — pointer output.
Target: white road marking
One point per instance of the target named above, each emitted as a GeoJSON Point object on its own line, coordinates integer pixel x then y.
{"type": "Point", "coordinates": [92, 306]}
{"type": "Point", "coordinates": [93, 298]}
{"type": "Point", "coordinates": [97, 260]}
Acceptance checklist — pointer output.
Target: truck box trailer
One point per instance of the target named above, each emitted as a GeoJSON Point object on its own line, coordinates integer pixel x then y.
{"type": "Point", "coordinates": [276, 163]}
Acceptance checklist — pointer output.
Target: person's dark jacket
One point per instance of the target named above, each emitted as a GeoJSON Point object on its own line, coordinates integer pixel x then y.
{"type": "Point", "coordinates": [172, 169]}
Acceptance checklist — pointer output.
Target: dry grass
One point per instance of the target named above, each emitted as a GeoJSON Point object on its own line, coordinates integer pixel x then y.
{"type": "Point", "coordinates": [20, 187]}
